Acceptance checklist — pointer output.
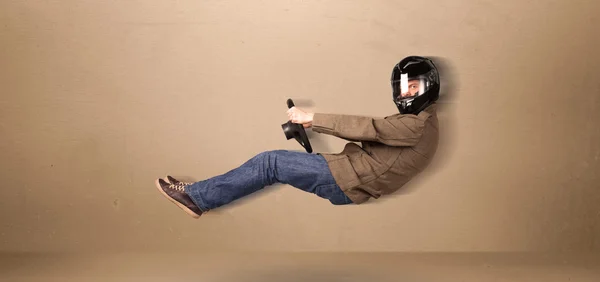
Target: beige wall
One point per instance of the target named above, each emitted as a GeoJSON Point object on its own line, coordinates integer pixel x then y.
{"type": "Point", "coordinates": [101, 97]}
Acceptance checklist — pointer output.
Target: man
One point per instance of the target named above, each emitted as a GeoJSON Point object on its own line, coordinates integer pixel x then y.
{"type": "Point", "coordinates": [394, 149]}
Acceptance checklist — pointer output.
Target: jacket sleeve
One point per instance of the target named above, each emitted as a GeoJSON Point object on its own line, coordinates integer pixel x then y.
{"type": "Point", "coordinates": [399, 130]}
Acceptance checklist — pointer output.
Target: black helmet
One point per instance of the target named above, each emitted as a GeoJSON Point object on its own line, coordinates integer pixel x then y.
{"type": "Point", "coordinates": [415, 84]}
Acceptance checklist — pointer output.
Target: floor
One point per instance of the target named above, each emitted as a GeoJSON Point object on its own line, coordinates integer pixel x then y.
{"type": "Point", "coordinates": [335, 267]}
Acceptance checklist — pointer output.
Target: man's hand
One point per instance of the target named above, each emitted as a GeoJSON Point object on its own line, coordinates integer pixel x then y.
{"type": "Point", "coordinates": [298, 116]}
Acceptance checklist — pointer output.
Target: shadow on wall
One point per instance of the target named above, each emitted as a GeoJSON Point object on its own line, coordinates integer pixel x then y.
{"type": "Point", "coordinates": [448, 122]}
{"type": "Point", "coordinates": [448, 79]}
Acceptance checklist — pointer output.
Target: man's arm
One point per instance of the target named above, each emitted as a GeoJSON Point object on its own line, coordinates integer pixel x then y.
{"type": "Point", "coordinates": [400, 130]}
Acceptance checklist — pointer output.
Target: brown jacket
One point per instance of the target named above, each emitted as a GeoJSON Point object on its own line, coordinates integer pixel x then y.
{"type": "Point", "coordinates": [394, 149]}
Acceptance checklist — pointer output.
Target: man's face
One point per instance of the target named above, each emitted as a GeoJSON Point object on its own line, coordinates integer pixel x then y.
{"type": "Point", "coordinates": [412, 89]}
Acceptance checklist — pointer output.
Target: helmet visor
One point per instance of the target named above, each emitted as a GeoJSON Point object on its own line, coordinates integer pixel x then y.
{"type": "Point", "coordinates": [407, 87]}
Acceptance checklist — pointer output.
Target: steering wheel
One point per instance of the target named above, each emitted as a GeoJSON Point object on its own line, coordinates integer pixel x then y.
{"type": "Point", "coordinates": [296, 131]}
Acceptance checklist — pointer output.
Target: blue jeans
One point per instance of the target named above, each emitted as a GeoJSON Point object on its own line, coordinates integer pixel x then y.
{"type": "Point", "coordinates": [308, 172]}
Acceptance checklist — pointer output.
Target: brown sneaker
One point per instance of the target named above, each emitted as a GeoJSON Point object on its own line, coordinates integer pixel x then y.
{"type": "Point", "coordinates": [175, 193]}
{"type": "Point", "coordinates": [172, 180]}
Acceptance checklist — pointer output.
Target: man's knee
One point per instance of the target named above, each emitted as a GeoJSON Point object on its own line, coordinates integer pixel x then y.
{"type": "Point", "coordinates": [267, 158]}
{"type": "Point", "coordinates": [265, 155]}
{"type": "Point", "coordinates": [269, 155]}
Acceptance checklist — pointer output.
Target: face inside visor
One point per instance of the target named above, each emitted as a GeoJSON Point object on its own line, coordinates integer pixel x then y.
{"type": "Point", "coordinates": [408, 88]}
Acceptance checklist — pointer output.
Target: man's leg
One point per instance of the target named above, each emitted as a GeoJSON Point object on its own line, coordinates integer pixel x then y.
{"type": "Point", "coordinates": [308, 172]}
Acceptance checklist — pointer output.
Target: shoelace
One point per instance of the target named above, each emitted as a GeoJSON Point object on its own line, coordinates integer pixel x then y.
{"type": "Point", "coordinates": [177, 182]}
{"type": "Point", "coordinates": [179, 187]}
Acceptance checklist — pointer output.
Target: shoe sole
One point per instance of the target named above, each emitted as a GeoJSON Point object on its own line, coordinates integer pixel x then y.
{"type": "Point", "coordinates": [181, 206]}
